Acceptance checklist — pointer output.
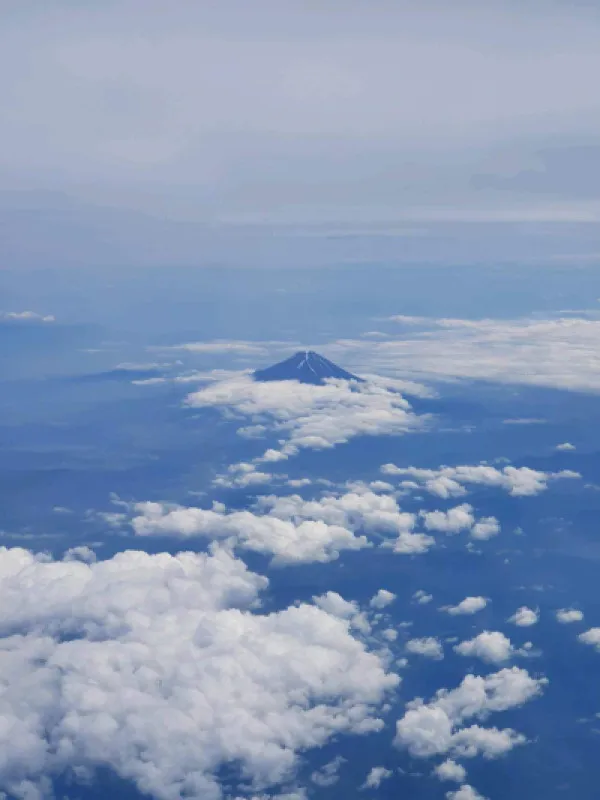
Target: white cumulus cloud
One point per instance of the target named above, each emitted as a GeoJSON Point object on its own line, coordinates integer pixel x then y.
{"type": "Point", "coordinates": [524, 617]}
{"type": "Point", "coordinates": [286, 541]}
{"type": "Point", "coordinates": [470, 605]}
{"type": "Point", "coordinates": [382, 599]}
{"type": "Point", "coordinates": [490, 646]}
{"type": "Point", "coordinates": [591, 637]}
{"type": "Point", "coordinates": [454, 520]}
{"type": "Point", "coordinates": [450, 770]}
{"type": "Point", "coordinates": [422, 597]}
{"type": "Point", "coordinates": [291, 528]}
{"type": "Point", "coordinates": [154, 666]}
{"type": "Point", "coordinates": [436, 728]}
{"type": "Point", "coordinates": [428, 646]}
{"type": "Point", "coordinates": [568, 615]}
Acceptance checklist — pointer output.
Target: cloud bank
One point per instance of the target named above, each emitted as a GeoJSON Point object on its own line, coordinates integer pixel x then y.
{"type": "Point", "coordinates": [561, 353]}
{"type": "Point", "coordinates": [314, 417]}
{"type": "Point", "coordinates": [155, 667]}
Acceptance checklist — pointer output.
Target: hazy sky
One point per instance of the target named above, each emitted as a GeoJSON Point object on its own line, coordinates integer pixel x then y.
{"type": "Point", "coordinates": [278, 111]}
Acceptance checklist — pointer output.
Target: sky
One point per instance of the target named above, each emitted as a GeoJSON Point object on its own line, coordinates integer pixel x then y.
{"type": "Point", "coordinates": [383, 585]}
{"type": "Point", "coordinates": [350, 116]}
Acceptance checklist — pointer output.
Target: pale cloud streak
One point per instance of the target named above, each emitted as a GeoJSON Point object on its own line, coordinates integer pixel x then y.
{"type": "Point", "coordinates": [561, 353]}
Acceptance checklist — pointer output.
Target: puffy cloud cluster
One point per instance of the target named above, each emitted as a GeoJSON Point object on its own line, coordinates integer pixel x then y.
{"type": "Point", "coordinates": [291, 528]}
{"type": "Point", "coordinates": [288, 542]}
{"type": "Point", "coordinates": [436, 728]}
{"type": "Point", "coordinates": [154, 666]}
{"type": "Point", "coordinates": [460, 518]}
{"type": "Point", "coordinates": [449, 482]}
{"type": "Point", "coordinates": [314, 417]}
{"type": "Point", "coordinates": [357, 511]}
{"type": "Point", "coordinates": [470, 605]}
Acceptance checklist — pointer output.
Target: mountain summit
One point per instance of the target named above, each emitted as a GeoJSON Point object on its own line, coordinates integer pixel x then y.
{"type": "Point", "coordinates": [305, 366]}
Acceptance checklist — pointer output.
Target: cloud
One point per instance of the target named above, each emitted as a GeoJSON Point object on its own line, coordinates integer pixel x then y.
{"type": "Point", "coordinates": [566, 447]}
{"type": "Point", "coordinates": [310, 131]}
{"type": "Point", "coordinates": [454, 520]}
{"type": "Point", "coordinates": [328, 775]}
{"type": "Point", "coordinates": [524, 617]}
{"type": "Point", "coordinates": [465, 792]}
{"type": "Point", "coordinates": [485, 528]}
{"type": "Point", "coordinates": [334, 604]}
{"type": "Point", "coordinates": [290, 528]}
{"type": "Point", "coordinates": [434, 728]}
{"type": "Point", "coordinates": [458, 519]}
{"type": "Point", "coordinates": [382, 599]}
{"type": "Point", "coordinates": [428, 646]}
{"type": "Point", "coordinates": [25, 316]}
{"type": "Point", "coordinates": [314, 417]}
{"type": "Point", "coordinates": [561, 353]}
{"type": "Point", "coordinates": [376, 777]}
{"type": "Point", "coordinates": [244, 475]}
{"type": "Point", "coordinates": [568, 615]}
{"type": "Point", "coordinates": [360, 510]}
{"type": "Point", "coordinates": [80, 553]}
{"type": "Point", "coordinates": [524, 421]}
{"type": "Point", "coordinates": [591, 637]}
{"type": "Point", "coordinates": [492, 647]}
{"type": "Point", "coordinates": [220, 347]}
{"type": "Point", "coordinates": [287, 542]}
{"type": "Point", "coordinates": [470, 605]}
{"type": "Point", "coordinates": [450, 482]}
{"type": "Point", "coordinates": [449, 770]}
{"type": "Point", "coordinates": [154, 666]}
{"type": "Point", "coordinates": [422, 597]}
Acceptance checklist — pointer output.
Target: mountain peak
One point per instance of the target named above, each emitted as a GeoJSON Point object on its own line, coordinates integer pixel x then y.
{"type": "Point", "coordinates": [305, 366]}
